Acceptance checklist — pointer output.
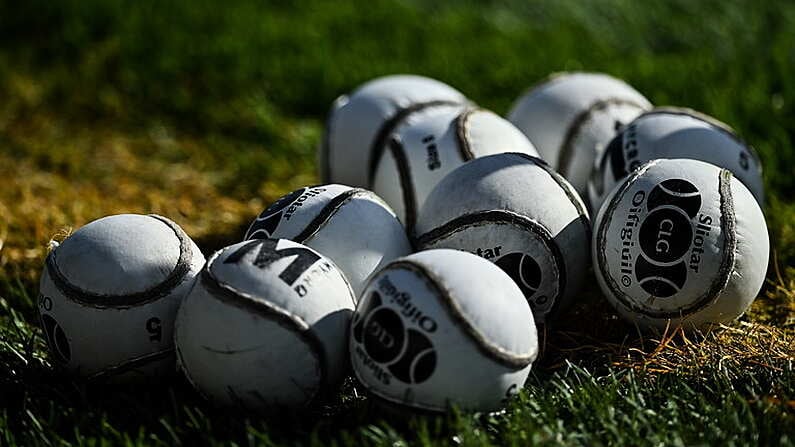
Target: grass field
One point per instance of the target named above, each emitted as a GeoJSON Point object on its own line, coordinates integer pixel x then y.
{"type": "Point", "coordinates": [206, 111]}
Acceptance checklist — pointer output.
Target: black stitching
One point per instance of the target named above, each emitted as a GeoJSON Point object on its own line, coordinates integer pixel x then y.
{"type": "Point", "coordinates": [406, 184]}
{"type": "Point", "coordinates": [712, 121]}
{"type": "Point", "coordinates": [571, 194]}
{"type": "Point", "coordinates": [381, 140]}
{"type": "Point", "coordinates": [496, 353]}
{"type": "Point", "coordinates": [511, 218]}
{"type": "Point", "coordinates": [566, 153]}
{"type": "Point", "coordinates": [154, 293]}
{"type": "Point", "coordinates": [226, 293]}
{"type": "Point", "coordinates": [601, 235]}
{"type": "Point", "coordinates": [464, 147]}
{"type": "Point", "coordinates": [728, 224]}
{"type": "Point", "coordinates": [327, 212]}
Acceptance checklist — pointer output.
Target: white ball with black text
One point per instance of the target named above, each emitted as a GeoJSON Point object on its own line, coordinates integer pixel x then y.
{"type": "Point", "coordinates": [427, 336]}
{"type": "Point", "coordinates": [109, 294]}
{"type": "Point", "coordinates": [430, 143]}
{"type": "Point", "coordinates": [669, 132]}
{"type": "Point", "coordinates": [352, 226]}
{"type": "Point", "coordinates": [359, 122]}
{"type": "Point", "coordinates": [515, 211]}
{"type": "Point", "coordinates": [265, 327]}
{"type": "Point", "coordinates": [680, 242]}
{"type": "Point", "coordinates": [572, 116]}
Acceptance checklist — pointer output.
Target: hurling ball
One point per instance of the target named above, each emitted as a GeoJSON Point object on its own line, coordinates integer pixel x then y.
{"type": "Point", "coordinates": [515, 211]}
{"type": "Point", "coordinates": [680, 242]}
{"type": "Point", "coordinates": [359, 123]}
{"type": "Point", "coordinates": [571, 117]}
{"type": "Point", "coordinates": [265, 327]}
{"type": "Point", "coordinates": [429, 144]}
{"type": "Point", "coordinates": [440, 328]}
{"type": "Point", "coordinates": [675, 133]}
{"type": "Point", "coordinates": [352, 226]}
{"type": "Point", "coordinates": [109, 294]}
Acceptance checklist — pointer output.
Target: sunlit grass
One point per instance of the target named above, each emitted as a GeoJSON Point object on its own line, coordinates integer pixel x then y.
{"type": "Point", "coordinates": [205, 113]}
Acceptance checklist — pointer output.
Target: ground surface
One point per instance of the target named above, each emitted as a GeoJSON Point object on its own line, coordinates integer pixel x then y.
{"type": "Point", "coordinates": [205, 112]}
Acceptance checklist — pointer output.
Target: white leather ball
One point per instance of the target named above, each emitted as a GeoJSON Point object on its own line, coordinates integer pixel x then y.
{"type": "Point", "coordinates": [680, 241]}
{"type": "Point", "coordinates": [358, 123]}
{"type": "Point", "coordinates": [109, 294]}
{"type": "Point", "coordinates": [571, 117]}
{"type": "Point", "coordinates": [515, 211]}
{"type": "Point", "coordinates": [430, 143]}
{"type": "Point", "coordinates": [352, 226]}
{"type": "Point", "coordinates": [675, 133]}
{"type": "Point", "coordinates": [265, 327]}
{"type": "Point", "coordinates": [441, 328]}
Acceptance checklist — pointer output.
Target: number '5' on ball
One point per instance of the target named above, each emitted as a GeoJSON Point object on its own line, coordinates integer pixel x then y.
{"type": "Point", "coordinates": [680, 241]}
{"type": "Point", "coordinates": [109, 295]}
{"type": "Point", "coordinates": [265, 326]}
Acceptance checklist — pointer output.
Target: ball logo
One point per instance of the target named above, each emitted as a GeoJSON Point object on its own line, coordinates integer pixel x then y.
{"type": "Point", "coordinates": [299, 272]}
{"type": "Point", "coordinates": [665, 237]}
{"type": "Point", "coordinates": [406, 353]}
{"type": "Point", "coordinates": [524, 270]}
{"type": "Point", "coordinates": [56, 339]}
{"type": "Point", "coordinates": [267, 222]}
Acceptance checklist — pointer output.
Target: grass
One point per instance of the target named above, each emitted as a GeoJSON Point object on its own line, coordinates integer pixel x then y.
{"type": "Point", "coordinates": [205, 112]}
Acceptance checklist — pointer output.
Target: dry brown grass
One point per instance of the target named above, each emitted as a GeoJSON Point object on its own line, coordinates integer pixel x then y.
{"type": "Point", "coordinates": [57, 178]}
{"type": "Point", "coordinates": [94, 172]}
{"type": "Point", "coordinates": [763, 340]}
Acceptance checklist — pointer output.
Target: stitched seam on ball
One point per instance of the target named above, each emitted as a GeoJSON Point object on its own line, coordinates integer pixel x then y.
{"type": "Point", "coordinates": [131, 364]}
{"type": "Point", "coordinates": [728, 225]}
{"type": "Point", "coordinates": [379, 144]}
{"type": "Point", "coordinates": [226, 293]}
{"type": "Point", "coordinates": [564, 185]}
{"type": "Point", "coordinates": [496, 353]}
{"type": "Point", "coordinates": [566, 153]}
{"type": "Point", "coordinates": [462, 134]}
{"type": "Point", "coordinates": [406, 184]}
{"type": "Point", "coordinates": [326, 213]}
{"type": "Point", "coordinates": [179, 358]}
{"type": "Point", "coordinates": [511, 218]}
{"type": "Point", "coordinates": [102, 301]}
{"type": "Point", "coordinates": [712, 121]}
{"type": "Point", "coordinates": [601, 236]}
{"type": "Point", "coordinates": [572, 195]}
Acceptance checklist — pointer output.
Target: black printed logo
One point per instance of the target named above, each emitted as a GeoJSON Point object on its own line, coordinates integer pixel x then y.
{"type": "Point", "coordinates": [56, 339]}
{"type": "Point", "coordinates": [665, 237]}
{"type": "Point", "coordinates": [268, 253]}
{"type": "Point", "coordinates": [622, 155]}
{"type": "Point", "coordinates": [525, 272]}
{"type": "Point", "coordinates": [613, 155]}
{"type": "Point", "coordinates": [267, 222]}
{"type": "Point", "coordinates": [406, 353]}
